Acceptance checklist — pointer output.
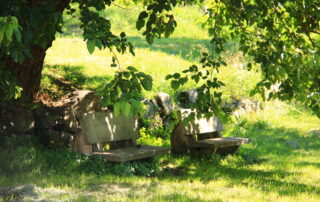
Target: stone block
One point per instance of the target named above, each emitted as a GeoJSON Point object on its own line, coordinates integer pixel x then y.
{"type": "Point", "coordinates": [105, 127]}
{"type": "Point", "coordinates": [132, 153]}
{"type": "Point", "coordinates": [151, 109]}
{"type": "Point", "coordinates": [81, 145]}
{"type": "Point", "coordinates": [18, 120]}
{"type": "Point", "coordinates": [187, 97]}
{"type": "Point", "coordinates": [165, 103]}
{"type": "Point", "coordinates": [202, 125]}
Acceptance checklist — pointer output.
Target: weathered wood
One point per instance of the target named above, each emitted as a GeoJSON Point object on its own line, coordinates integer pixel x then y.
{"type": "Point", "coordinates": [120, 133]}
{"type": "Point", "coordinates": [105, 127]}
{"type": "Point", "coordinates": [202, 125]}
{"type": "Point", "coordinates": [202, 135]}
{"type": "Point", "coordinates": [131, 153]}
{"type": "Point", "coordinates": [223, 141]}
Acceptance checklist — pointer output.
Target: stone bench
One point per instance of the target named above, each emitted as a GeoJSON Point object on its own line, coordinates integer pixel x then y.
{"type": "Point", "coordinates": [204, 136]}
{"type": "Point", "coordinates": [113, 138]}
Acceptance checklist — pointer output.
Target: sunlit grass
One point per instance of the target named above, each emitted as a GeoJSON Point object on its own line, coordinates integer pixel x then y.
{"type": "Point", "coordinates": [267, 169]}
{"type": "Point", "coordinates": [280, 164]}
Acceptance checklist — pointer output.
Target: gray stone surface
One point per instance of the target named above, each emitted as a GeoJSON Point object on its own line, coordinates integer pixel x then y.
{"type": "Point", "coordinates": [75, 104]}
{"type": "Point", "coordinates": [186, 97]}
{"type": "Point", "coordinates": [151, 109]}
{"type": "Point", "coordinates": [19, 192]}
{"type": "Point", "coordinates": [224, 141]}
{"type": "Point", "coordinates": [81, 145]}
{"type": "Point", "coordinates": [105, 127]}
{"type": "Point", "coordinates": [17, 120]}
{"type": "Point", "coordinates": [132, 153]}
{"type": "Point", "coordinates": [201, 125]}
{"type": "Point", "coordinates": [165, 103]}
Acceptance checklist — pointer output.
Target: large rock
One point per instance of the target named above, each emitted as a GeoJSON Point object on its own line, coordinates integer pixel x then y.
{"type": "Point", "coordinates": [81, 144]}
{"type": "Point", "coordinates": [165, 103]}
{"type": "Point", "coordinates": [187, 97]}
{"type": "Point", "coordinates": [17, 120]}
{"type": "Point", "coordinates": [151, 109]}
{"type": "Point", "coordinates": [74, 105]}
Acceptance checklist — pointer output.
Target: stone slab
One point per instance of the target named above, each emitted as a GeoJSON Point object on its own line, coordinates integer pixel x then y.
{"type": "Point", "coordinates": [105, 127]}
{"type": "Point", "coordinates": [201, 125]}
{"type": "Point", "coordinates": [187, 97]}
{"type": "Point", "coordinates": [17, 120]}
{"type": "Point", "coordinates": [165, 103]}
{"type": "Point", "coordinates": [132, 153]}
{"type": "Point", "coordinates": [224, 141]}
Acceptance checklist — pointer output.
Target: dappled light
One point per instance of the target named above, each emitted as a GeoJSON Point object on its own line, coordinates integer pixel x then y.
{"type": "Point", "coordinates": [159, 100]}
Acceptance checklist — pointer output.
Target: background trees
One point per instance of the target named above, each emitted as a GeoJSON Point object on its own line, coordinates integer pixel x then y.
{"type": "Point", "coordinates": [280, 37]}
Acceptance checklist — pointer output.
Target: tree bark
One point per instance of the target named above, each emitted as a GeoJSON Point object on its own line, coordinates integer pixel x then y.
{"type": "Point", "coordinates": [28, 74]}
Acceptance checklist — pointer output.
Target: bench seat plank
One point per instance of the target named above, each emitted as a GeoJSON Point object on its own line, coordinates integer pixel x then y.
{"type": "Point", "coordinates": [131, 153]}
{"type": "Point", "coordinates": [221, 142]}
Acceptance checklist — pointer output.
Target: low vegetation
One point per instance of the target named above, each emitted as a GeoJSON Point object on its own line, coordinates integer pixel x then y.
{"type": "Point", "coordinates": [280, 164]}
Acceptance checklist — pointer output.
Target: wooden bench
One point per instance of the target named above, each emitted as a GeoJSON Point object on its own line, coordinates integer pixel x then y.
{"type": "Point", "coordinates": [203, 136]}
{"type": "Point", "coordinates": [114, 138]}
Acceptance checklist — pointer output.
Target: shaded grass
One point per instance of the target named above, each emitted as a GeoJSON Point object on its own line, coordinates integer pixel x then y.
{"type": "Point", "coordinates": [271, 168]}
{"type": "Point", "coordinates": [267, 169]}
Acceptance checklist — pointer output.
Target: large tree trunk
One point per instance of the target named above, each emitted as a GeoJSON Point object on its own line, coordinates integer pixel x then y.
{"type": "Point", "coordinates": [28, 74]}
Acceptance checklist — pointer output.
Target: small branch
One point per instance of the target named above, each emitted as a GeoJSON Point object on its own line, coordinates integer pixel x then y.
{"type": "Point", "coordinates": [310, 39]}
{"type": "Point", "coordinates": [315, 32]}
{"type": "Point", "coordinates": [121, 7]}
{"type": "Point", "coordinates": [117, 60]}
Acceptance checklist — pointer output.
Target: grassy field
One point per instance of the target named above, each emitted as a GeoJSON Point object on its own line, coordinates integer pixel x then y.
{"type": "Point", "coordinates": [280, 164]}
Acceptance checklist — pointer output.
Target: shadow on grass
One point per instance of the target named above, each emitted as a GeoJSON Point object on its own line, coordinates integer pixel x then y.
{"type": "Point", "coordinates": [187, 48]}
{"type": "Point", "coordinates": [68, 78]}
{"type": "Point", "coordinates": [269, 148]}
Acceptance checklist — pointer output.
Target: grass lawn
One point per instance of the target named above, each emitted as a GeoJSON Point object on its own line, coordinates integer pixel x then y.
{"type": "Point", "coordinates": [282, 162]}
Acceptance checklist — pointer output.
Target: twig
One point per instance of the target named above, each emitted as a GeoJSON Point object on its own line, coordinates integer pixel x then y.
{"type": "Point", "coordinates": [117, 60]}
{"type": "Point", "coordinates": [121, 7]}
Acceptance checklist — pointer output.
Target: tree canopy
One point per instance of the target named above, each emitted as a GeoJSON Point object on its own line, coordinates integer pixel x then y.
{"type": "Point", "coordinates": [280, 37]}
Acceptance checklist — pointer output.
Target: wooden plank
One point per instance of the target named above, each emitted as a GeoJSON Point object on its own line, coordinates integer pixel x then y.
{"type": "Point", "coordinates": [105, 127]}
{"type": "Point", "coordinates": [201, 125]}
{"type": "Point", "coordinates": [223, 141]}
{"type": "Point", "coordinates": [132, 153]}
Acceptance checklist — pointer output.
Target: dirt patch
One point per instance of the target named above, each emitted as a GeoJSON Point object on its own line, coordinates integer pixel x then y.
{"type": "Point", "coordinates": [29, 192]}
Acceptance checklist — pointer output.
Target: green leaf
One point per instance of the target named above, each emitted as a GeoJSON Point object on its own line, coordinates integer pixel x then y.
{"type": "Point", "coordinates": [149, 38]}
{"type": "Point", "coordinates": [14, 21]}
{"type": "Point", "coordinates": [176, 75]}
{"type": "Point", "coordinates": [169, 76]}
{"type": "Point", "coordinates": [116, 108]}
{"type": "Point", "coordinates": [147, 84]}
{"type": "Point", "coordinates": [175, 84]}
{"type": "Point", "coordinates": [9, 31]}
{"type": "Point", "coordinates": [122, 35]}
{"type": "Point", "coordinates": [131, 68]}
{"type": "Point", "coordinates": [125, 108]}
{"type": "Point", "coordinates": [17, 33]}
{"type": "Point", "coordinates": [143, 15]}
{"type": "Point", "coordinates": [2, 30]}
{"type": "Point", "coordinates": [126, 74]}
{"type": "Point", "coordinates": [91, 44]}
{"type": "Point", "coordinates": [140, 24]}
